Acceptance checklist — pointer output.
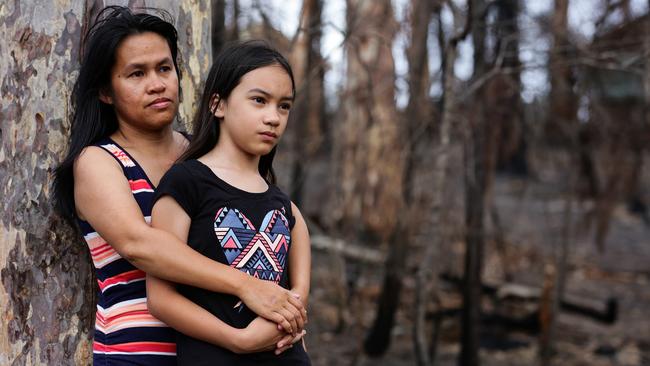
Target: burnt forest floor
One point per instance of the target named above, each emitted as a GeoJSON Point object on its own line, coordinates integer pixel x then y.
{"type": "Point", "coordinates": [534, 220]}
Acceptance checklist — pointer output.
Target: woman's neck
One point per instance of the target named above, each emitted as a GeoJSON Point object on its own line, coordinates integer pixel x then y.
{"type": "Point", "coordinates": [144, 140]}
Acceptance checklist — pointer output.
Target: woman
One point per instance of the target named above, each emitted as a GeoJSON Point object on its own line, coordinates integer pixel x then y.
{"type": "Point", "coordinates": [124, 101]}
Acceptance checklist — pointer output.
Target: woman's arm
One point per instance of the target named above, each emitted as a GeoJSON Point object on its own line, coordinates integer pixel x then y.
{"type": "Point", "coordinates": [165, 303]}
{"type": "Point", "coordinates": [103, 198]}
{"type": "Point", "coordinates": [300, 257]}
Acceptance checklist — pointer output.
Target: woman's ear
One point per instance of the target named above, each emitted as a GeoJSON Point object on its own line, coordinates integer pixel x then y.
{"type": "Point", "coordinates": [216, 106]}
{"type": "Point", "coordinates": [105, 96]}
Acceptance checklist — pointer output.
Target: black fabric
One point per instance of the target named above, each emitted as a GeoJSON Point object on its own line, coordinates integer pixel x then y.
{"type": "Point", "coordinates": [227, 226]}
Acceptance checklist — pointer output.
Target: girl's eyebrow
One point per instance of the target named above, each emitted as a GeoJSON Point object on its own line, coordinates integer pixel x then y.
{"type": "Point", "coordinates": [268, 95]}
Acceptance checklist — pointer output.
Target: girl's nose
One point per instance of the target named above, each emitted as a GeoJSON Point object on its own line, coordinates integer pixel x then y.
{"type": "Point", "coordinates": [272, 118]}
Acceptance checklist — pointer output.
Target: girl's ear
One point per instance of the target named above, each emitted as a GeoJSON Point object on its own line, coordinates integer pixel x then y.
{"type": "Point", "coordinates": [216, 106]}
{"type": "Point", "coordinates": [105, 96]}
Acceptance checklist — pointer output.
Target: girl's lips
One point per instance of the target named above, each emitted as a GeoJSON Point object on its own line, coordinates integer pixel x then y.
{"type": "Point", "coordinates": [268, 136]}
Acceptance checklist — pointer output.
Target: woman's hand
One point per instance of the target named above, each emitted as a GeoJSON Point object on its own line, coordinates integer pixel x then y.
{"type": "Point", "coordinates": [276, 304]}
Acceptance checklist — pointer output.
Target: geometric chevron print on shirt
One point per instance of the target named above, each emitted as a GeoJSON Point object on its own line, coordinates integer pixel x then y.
{"type": "Point", "coordinates": [261, 254]}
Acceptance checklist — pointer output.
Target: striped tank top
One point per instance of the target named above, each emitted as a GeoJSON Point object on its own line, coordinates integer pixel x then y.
{"type": "Point", "coordinates": [125, 332]}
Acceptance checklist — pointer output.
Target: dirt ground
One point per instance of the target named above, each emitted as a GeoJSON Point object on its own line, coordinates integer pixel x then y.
{"type": "Point", "coordinates": [342, 302]}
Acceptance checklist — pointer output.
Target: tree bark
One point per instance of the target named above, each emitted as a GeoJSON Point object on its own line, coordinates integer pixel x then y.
{"type": "Point", "coordinates": [218, 26]}
{"type": "Point", "coordinates": [45, 269]}
{"type": "Point", "coordinates": [563, 103]}
{"type": "Point", "coordinates": [478, 155]}
{"type": "Point", "coordinates": [367, 146]}
{"type": "Point", "coordinates": [371, 170]}
{"type": "Point", "coordinates": [449, 105]}
{"type": "Point", "coordinates": [418, 116]}
{"type": "Point", "coordinates": [308, 111]}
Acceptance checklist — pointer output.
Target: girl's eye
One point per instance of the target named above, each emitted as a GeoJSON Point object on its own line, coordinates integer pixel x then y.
{"type": "Point", "coordinates": [258, 100]}
{"type": "Point", "coordinates": [285, 106]}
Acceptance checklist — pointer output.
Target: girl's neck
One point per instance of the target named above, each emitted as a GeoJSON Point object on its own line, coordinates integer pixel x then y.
{"type": "Point", "coordinates": [226, 155]}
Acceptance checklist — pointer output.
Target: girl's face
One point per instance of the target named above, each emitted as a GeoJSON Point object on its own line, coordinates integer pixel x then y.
{"type": "Point", "coordinates": [254, 116]}
{"type": "Point", "coordinates": [144, 84]}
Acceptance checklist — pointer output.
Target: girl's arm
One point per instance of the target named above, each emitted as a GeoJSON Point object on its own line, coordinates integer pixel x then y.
{"type": "Point", "coordinates": [300, 257]}
{"type": "Point", "coordinates": [165, 303]}
{"type": "Point", "coordinates": [103, 198]}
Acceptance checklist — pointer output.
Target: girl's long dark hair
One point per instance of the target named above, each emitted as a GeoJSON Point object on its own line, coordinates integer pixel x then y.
{"type": "Point", "coordinates": [230, 65]}
{"type": "Point", "coordinates": [92, 120]}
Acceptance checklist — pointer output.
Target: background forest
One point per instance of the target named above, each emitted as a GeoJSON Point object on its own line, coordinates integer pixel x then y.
{"type": "Point", "coordinates": [475, 175]}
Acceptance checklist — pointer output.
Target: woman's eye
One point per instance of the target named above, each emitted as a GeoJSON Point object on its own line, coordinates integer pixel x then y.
{"type": "Point", "coordinates": [137, 73]}
{"type": "Point", "coordinates": [258, 100]}
{"type": "Point", "coordinates": [165, 68]}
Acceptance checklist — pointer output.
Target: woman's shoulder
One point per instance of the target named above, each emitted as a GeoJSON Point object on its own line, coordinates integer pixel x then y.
{"type": "Point", "coordinates": [93, 158]}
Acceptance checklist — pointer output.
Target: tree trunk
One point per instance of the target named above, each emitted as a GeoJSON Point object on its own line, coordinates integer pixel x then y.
{"type": "Point", "coordinates": [479, 156]}
{"type": "Point", "coordinates": [449, 109]}
{"type": "Point", "coordinates": [370, 169]}
{"type": "Point", "coordinates": [218, 26]}
{"type": "Point", "coordinates": [308, 111]}
{"type": "Point", "coordinates": [418, 116]}
{"type": "Point", "coordinates": [367, 147]}
{"type": "Point", "coordinates": [46, 273]}
{"type": "Point", "coordinates": [563, 103]}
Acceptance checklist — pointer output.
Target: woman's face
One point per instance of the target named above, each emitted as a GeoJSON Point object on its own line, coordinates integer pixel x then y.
{"type": "Point", "coordinates": [255, 114]}
{"type": "Point", "coordinates": [144, 84]}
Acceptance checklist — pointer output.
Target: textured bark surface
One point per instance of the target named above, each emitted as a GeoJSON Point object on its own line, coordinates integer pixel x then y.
{"type": "Point", "coordinates": [370, 152]}
{"type": "Point", "coordinates": [308, 110]}
{"type": "Point", "coordinates": [368, 146]}
{"type": "Point", "coordinates": [47, 287]}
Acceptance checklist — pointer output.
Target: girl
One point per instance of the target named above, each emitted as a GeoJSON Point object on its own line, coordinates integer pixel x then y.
{"type": "Point", "coordinates": [222, 200]}
{"type": "Point", "coordinates": [124, 101]}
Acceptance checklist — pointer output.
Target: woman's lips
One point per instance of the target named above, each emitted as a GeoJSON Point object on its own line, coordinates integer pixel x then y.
{"type": "Point", "coordinates": [160, 103]}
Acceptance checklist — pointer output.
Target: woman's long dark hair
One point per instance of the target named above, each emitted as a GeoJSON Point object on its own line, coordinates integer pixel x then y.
{"type": "Point", "coordinates": [91, 119]}
{"type": "Point", "coordinates": [230, 65]}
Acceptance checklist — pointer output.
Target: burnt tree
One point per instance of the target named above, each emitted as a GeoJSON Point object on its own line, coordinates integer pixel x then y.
{"type": "Point", "coordinates": [367, 150]}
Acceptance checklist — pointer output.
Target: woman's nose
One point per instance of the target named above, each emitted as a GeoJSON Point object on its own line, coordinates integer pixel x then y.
{"type": "Point", "coordinates": [157, 84]}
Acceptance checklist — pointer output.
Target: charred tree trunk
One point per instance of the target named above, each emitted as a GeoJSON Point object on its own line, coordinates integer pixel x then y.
{"type": "Point", "coordinates": [426, 354]}
{"type": "Point", "coordinates": [45, 269]}
{"type": "Point", "coordinates": [417, 117]}
{"type": "Point", "coordinates": [477, 158]}
{"type": "Point", "coordinates": [219, 32]}
{"type": "Point", "coordinates": [563, 109]}
{"type": "Point", "coordinates": [511, 144]}
{"type": "Point", "coordinates": [563, 103]}
{"type": "Point", "coordinates": [368, 145]}
{"type": "Point", "coordinates": [308, 111]}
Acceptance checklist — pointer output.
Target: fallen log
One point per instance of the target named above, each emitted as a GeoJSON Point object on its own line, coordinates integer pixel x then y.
{"type": "Point", "coordinates": [347, 249]}
{"type": "Point", "coordinates": [601, 311]}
